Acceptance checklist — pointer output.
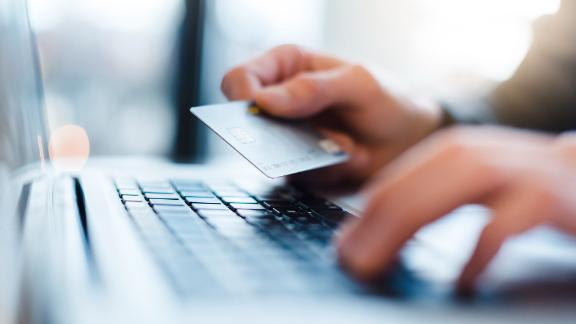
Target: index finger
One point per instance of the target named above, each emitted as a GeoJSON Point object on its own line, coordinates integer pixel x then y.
{"type": "Point", "coordinates": [279, 64]}
{"type": "Point", "coordinates": [401, 206]}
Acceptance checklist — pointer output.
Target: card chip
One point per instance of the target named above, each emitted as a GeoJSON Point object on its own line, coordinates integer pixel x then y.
{"type": "Point", "coordinates": [254, 110]}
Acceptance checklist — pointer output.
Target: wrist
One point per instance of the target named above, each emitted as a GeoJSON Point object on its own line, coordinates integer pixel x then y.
{"type": "Point", "coordinates": [446, 117]}
{"type": "Point", "coordinates": [425, 117]}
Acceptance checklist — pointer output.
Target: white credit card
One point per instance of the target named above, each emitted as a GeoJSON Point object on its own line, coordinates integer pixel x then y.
{"type": "Point", "coordinates": [277, 147]}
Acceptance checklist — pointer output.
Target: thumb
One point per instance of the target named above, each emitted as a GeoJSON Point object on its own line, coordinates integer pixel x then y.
{"type": "Point", "coordinates": [310, 93]}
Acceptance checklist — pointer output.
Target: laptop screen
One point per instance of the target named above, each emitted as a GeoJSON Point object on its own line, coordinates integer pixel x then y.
{"type": "Point", "coordinates": [22, 131]}
{"type": "Point", "coordinates": [22, 123]}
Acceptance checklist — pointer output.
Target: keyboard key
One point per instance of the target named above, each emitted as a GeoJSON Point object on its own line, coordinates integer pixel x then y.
{"type": "Point", "coordinates": [172, 209]}
{"type": "Point", "coordinates": [240, 200]}
{"type": "Point", "coordinates": [304, 219]}
{"type": "Point", "coordinates": [260, 221]}
{"type": "Point", "coordinates": [131, 198]}
{"type": "Point", "coordinates": [149, 213]}
{"type": "Point", "coordinates": [129, 192]}
{"type": "Point", "coordinates": [228, 221]}
{"type": "Point", "coordinates": [141, 205]}
{"type": "Point", "coordinates": [279, 204]}
{"type": "Point", "coordinates": [162, 196]}
{"type": "Point", "coordinates": [323, 206]}
{"type": "Point", "coordinates": [157, 184]}
{"type": "Point", "coordinates": [307, 227]}
{"type": "Point", "coordinates": [273, 198]}
{"type": "Point", "coordinates": [248, 207]}
{"type": "Point", "coordinates": [153, 190]}
{"type": "Point", "coordinates": [191, 188]}
{"type": "Point", "coordinates": [169, 202]}
{"type": "Point", "coordinates": [234, 228]}
{"type": "Point", "coordinates": [230, 193]}
{"type": "Point", "coordinates": [209, 206]}
{"type": "Point", "coordinates": [253, 213]}
{"type": "Point", "coordinates": [291, 213]}
{"type": "Point", "coordinates": [184, 225]}
{"type": "Point", "coordinates": [335, 217]}
{"type": "Point", "coordinates": [176, 214]}
{"type": "Point", "coordinates": [126, 184]}
{"type": "Point", "coordinates": [187, 182]}
{"type": "Point", "coordinates": [244, 232]}
{"type": "Point", "coordinates": [216, 213]}
{"type": "Point", "coordinates": [153, 182]}
{"type": "Point", "coordinates": [269, 225]}
{"type": "Point", "coordinates": [195, 200]}
{"type": "Point", "coordinates": [197, 194]}
{"type": "Point", "coordinates": [222, 186]}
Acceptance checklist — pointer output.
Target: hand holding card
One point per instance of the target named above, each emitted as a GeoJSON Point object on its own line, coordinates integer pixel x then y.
{"type": "Point", "coordinates": [274, 146]}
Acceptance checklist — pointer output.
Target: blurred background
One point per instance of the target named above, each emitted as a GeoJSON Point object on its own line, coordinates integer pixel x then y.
{"type": "Point", "coordinates": [128, 70]}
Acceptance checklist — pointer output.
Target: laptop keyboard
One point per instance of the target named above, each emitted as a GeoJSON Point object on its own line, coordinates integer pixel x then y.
{"type": "Point", "coordinates": [220, 238]}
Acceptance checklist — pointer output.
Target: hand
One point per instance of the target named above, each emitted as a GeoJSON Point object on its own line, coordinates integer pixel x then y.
{"type": "Point", "coordinates": [345, 102]}
{"type": "Point", "coordinates": [526, 179]}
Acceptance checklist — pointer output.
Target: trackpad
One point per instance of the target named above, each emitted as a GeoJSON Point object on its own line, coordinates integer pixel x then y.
{"type": "Point", "coordinates": [535, 266]}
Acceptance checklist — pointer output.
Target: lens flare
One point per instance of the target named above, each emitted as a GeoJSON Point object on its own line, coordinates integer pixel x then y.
{"type": "Point", "coordinates": [69, 148]}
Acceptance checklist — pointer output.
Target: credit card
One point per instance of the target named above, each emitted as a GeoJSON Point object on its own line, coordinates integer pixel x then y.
{"type": "Point", "coordinates": [276, 147]}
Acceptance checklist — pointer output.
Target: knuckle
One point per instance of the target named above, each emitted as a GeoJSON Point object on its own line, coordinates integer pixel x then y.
{"type": "Point", "coordinates": [362, 75]}
{"type": "Point", "coordinates": [486, 170]}
{"type": "Point", "coordinates": [544, 196]}
{"type": "Point", "coordinates": [453, 144]}
{"type": "Point", "coordinates": [359, 73]}
{"type": "Point", "coordinates": [293, 54]}
{"type": "Point", "coordinates": [306, 86]}
{"type": "Point", "coordinates": [360, 70]}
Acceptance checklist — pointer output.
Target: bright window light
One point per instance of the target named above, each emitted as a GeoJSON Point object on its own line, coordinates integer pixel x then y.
{"type": "Point", "coordinates": [447, 44]}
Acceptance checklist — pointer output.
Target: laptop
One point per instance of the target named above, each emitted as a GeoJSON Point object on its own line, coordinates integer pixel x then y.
{"type": "Point", "coordinates": [145, 241]}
